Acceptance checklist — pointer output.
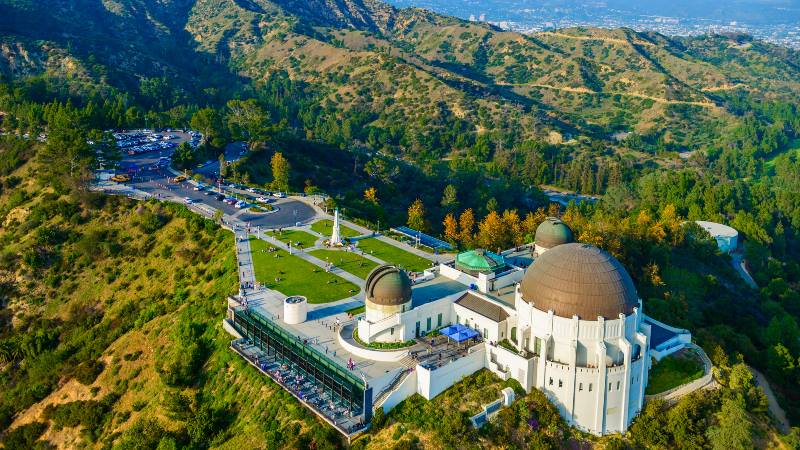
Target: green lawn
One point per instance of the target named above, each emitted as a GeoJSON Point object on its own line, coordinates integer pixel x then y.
{"type": "Point", "coordinates": [672, 372]}
{"type": "Point", "coordinates": [347, 261]}
{"type": "Point", "coordinates": [325, 228]}
{"type": "Point", "coordinates": [295, 236]}
{"type": "Point", "coordinates": [297, 277]}
{"type": "Point", "coordinates": [393, 255]}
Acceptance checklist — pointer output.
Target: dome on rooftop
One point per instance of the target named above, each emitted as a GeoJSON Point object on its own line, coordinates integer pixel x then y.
{"type": "Point", "coordinates": [388, 286]}
{"type": "Point", "coordinates": [553, 232]}
{"type": "Point", "coordinates": [479, 260]}
{"type": "Point", "coordinates": [579, 280]}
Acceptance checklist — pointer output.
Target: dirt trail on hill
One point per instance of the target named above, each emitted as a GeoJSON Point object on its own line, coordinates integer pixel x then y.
{"type": "Point", "coordinates": [582, 90]}
{"type": "Point", "coordinates": [727, 87]}
{"type": "Point", "coordinates": [594, 38]}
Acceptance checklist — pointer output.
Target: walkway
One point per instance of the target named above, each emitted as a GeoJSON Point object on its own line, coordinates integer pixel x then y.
{"type": "Point", "coordinates": [737, 260]}
{"type": "Point", "coordinates": [705, 382]}
{"type": "Point", "coordinates": [774, 407]}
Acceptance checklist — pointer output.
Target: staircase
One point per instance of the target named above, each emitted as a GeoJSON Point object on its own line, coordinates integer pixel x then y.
{"type": "Point", "coordinates": [398, 379]}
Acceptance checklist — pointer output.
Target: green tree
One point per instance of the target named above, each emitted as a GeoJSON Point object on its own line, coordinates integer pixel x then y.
{"type": "Point", "coordinates": [67, 157]}
{"type": "Point", "coordinates": [247, 120]}
{"type": "Point", "coordinates": [280, 172]}
{"type": "Point", "coordinates": [450, 198]}
{"type": "Point", "coordinates": [184, 156]}
{"type": "Point", "coordinates": [733, 430]}
{"type": "Point", "coordinates": [208, 122]}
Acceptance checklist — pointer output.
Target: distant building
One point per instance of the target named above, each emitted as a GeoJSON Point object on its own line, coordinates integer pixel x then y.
{"type": "Point", "coordinates": [727, 238]}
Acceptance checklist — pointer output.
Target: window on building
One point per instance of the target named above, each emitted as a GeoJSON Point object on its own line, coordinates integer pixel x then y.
{"type": "Point", "coordinates": [485, 333]}
{"type": "Point", "coordinates": [609, 387]}
{"type": "Point", "coordinates": [458, 319]}
{"type": "Point", "coordinates": [580, 386]}
{"type": "Point", "coordinates": [428, 323]}
{"type": "Point", "coordinates": [560, 383]}
{"type": "Point", "coordinates": [590, 387]}
{"type": "Point", "coordinates": [551, 381]}
{"type": "Point", "coordinates": [391, 330]}
{"type": "Point", "coordinates": [617, 385]}
{"type": "Point", "coordinates": [439, 320]}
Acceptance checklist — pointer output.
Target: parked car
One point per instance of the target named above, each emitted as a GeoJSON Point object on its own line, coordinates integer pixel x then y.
{"type": "Point", "coordinates": [262, 200]}
{"type": "Point", "coordinates": [188, 200]}
{"type": "Point", "coordinates": [220, 197]}
{"type": "Point", "coordinates": [121, 178]}
{"type": "Point", "coordinates": [180, 178]}
{"type": "Point", "coordinates": [198, 188]}
{"type": "Point", "coordinates": [252, 190]}
{"type": "Point", "coordinates": [279, 195]}
{"type": "Point", "coordinates": [240, 204]}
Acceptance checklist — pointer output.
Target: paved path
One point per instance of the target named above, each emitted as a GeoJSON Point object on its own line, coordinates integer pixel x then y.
{"type": "Point", "coordinates": [774, 407]}
{"type": "Point", "coordinates": [737, 261]}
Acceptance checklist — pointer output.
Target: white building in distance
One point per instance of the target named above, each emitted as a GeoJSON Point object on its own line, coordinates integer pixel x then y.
{"type": "Point", "coordinates": [727, 238]}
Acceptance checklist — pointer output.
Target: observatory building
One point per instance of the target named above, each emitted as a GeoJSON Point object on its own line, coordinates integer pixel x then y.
{"type": "Point", "coordinates": [555, 315]}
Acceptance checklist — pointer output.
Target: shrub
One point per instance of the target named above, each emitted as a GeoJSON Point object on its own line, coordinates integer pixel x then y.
{"type": "Point", "coordinates": [24, 437]}
{"type": "Point", "coordinates": [88, 371]}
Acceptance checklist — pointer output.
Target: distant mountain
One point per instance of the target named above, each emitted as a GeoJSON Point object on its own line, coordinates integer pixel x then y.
{"type": "Point", "coordinates": [410, 67]}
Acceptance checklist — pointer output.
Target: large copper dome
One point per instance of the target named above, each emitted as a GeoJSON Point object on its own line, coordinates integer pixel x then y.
{"type": "Point", "coordinates": [579, 279]}
{"type": "Point", "coordinates": [388, 286]}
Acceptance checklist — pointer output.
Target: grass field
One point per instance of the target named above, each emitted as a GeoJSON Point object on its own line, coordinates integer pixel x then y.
{"type": "Point", "coordinates": [671, 372]}
{"type": "Point", "coordinates": [393, 255]}
{"type": "Point", "coordinates": [347, 261]}
{"type": "Point", "coordinates": [297, 277]}
{"type": "Point", "coordinates": [295, 236]}
{"type": "Point", "coordinates": [325, 227]}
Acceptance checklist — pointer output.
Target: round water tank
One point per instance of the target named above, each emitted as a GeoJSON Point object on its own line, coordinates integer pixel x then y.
{"type": "Point", "coordinates": [295, 309]}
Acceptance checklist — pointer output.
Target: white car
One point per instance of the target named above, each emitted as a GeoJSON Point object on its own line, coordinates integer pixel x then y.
{"type": "Point", "coordinates": [197, 188]}
{"type": "Point", "coordinates": [262, 200]}
{"type": "Point", "coordinates": [188, 200]}
{"type": "Point", "coordinates": [251, 190]}
{"type": "Point", "coordinates": [279, 194]}
{"type": "Point", "coordinates": [240, 204]}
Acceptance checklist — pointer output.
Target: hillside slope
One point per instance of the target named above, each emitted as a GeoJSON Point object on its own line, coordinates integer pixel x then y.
{"type": "Point", "coordinates": [435, 75]}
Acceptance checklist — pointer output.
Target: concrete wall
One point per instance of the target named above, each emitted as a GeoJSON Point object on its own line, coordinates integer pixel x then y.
{"type": "Point", "coordinates": [507, 364]}
{"type": "Point", "coordinates": [407, 388]}
{"type": "Point", "coordinates": [375, 355]}
{"type": "Point", "coordinates": [457, 275]}
{"type": "Point", "coordinates": [431, 383]}
{"type": "Point", "coordinates": [489, 329]}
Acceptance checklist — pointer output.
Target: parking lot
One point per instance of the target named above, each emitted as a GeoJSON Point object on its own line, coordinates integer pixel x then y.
{"type": "Point", "coordinates": [159, 182]}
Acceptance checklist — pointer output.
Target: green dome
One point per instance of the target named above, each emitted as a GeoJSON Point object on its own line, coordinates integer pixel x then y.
{"type": "Point", "coordinates": [479, 260]}
{"type": "Point", "coordinates": [387, 285]}
{"type": "Point", "coordinates": [553, 232]}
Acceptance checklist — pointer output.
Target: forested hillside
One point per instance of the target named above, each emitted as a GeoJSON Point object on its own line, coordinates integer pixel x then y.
{"type": "Point", "coordinates": [380, 108]}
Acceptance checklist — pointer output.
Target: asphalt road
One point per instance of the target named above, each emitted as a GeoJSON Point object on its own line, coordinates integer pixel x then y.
{"type": "Point", "coordinates": [155, 181]}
